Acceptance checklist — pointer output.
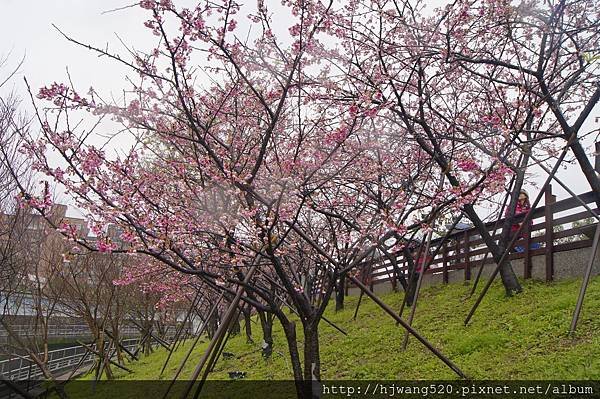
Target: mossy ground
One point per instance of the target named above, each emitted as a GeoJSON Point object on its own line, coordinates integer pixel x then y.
{"type": "Point", "coordinates": [520, 337]}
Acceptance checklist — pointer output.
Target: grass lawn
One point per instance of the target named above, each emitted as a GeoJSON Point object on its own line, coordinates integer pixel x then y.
{"type": "Point", "coordinates": [521, 337]}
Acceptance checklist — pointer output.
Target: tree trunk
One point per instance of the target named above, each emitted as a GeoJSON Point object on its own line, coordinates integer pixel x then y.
{"type": "Point", "coordinates": [412, 287]}
{"type": "Point", "coordinates": [248, 325]}
{"type": "Point", "coordinates": [509, 278]}
{"type": "Point", "coordinates": [266, 323]}
{"type": "Point", "coordinates": [107, 369]}
{"type": "Point", "coordinates": [148, 343]}
{"type": "Point", "coordinates": [103, 364]}
{"type": "Point", "coordinates": [117, 338]}
{"type": "Point", "coordinates": [234, 328]}
{"type": "Point", "coordinates": [289, 328]}
{"type": "Point", "coordinates": [312, 362]}
{"type": "Point", "coordinates": [211, 328]}
{"type": "Point", "coordinates": [339, 295]}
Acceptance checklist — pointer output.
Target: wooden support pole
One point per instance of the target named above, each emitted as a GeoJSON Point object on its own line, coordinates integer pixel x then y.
{"type": "Point", "coordinates": [411, 330]}
{"type": "Point", "coordinates": [198, 335]}
{"type": "Point", "coordinates": [526, 220]}
{"type": "Point", "coordinates": [95, 352]}
{"type": "Point", "coordinates": [174, 345]}
{"type": "Point", "coordinates": [549, 232]}
{"type": "Point", "coordinates": [120, 345]}
{"type": "Point", "coordinates": [140, 344]}
{"type": "Point", "coordinates": [586, 281]}
{"type": "Point", "coordinates": [178, 336]}
{"type": "Point", "coordinates": [160, 341]}
{"type": "Point", "coordinates": [567, 189]}
{"type": "Point", "coordinates": [423, 265]}
{"type": "Point", "coordinates": [357, 305]}
{"type": "Point", "coordinates": [218, 335]}
{"type": "Point", "coordinates": [325, 319]}
{"type": "Point", "coordinates": [428, 258]}
{"type": "Point", "coordinates": [211, 365]}
{"type": "Point", "coordinates": [365, 280]}
{"type": "Point", "coordinates": [79, 364]}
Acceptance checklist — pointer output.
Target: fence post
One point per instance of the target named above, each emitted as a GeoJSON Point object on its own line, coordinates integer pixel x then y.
{"type": "Point", "coordinates": [445, 260]}
{"type": "Point", "coordinates": [527, 254]}
{"type": "Point", "coordinates": [467, 256]}
{"type": "Point", "coordinates": [394, 278]}
{"type": "Point", "coordinates": [457, 251]}
{"type": "Point", "coordinates": [549, 200]}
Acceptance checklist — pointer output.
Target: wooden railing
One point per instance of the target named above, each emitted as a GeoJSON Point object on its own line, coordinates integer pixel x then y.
{"type": "Point", "coordinates": [552, 228]}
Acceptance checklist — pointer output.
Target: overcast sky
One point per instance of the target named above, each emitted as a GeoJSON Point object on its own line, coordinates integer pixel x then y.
{"type": "Point", "coordinates": [26, 30]}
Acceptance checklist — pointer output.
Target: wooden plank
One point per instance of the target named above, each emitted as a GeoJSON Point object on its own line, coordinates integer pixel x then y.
{"type": "Point", "coordinates": [569, 246]}
{"type": "Point", "coordinates": [574, 217]}
{"type": "Point", "coordinates": [576, 231]}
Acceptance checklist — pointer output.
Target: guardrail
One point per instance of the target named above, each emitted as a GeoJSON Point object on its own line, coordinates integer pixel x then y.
{"type": "Point", "coordinates": [23, 368]}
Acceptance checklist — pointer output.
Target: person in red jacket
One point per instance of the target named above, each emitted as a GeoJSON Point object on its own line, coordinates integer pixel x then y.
{"type": "Point", "coordinates": [523, 207]}
{"type": "Point", "coordinates": [422, 261]}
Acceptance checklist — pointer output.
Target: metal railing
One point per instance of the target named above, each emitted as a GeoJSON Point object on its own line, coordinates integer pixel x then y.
{"type": "Point", "coordinates": [60, 360]}
{"type": "Point", "coordinates": [58, 331]}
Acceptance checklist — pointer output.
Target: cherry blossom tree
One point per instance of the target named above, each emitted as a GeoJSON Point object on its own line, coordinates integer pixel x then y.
{"type": "Point", "coordinates": [220, 177]}
{"type": "Point", "coordinates": [394, 71]}
{"type": "Point", "coordinates": [542, 57]}
{"type": "Point", "coordinates": [266, 166]}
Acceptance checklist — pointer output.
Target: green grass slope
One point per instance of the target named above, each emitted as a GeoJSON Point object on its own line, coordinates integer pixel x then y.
{"type": "Point", "coordinates": [522, 337]}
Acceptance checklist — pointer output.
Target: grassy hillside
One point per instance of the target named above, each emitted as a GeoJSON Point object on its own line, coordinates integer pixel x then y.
{"type": "Point", "coordinates": [523, 337]}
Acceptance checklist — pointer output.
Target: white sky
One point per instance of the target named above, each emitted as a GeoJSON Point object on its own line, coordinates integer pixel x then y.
{"type": "Point", "coordinates": [26, 30]}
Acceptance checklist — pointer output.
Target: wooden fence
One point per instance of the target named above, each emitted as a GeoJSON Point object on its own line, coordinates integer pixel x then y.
{"type": "Point", "coordinates": [552, 229]}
